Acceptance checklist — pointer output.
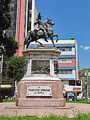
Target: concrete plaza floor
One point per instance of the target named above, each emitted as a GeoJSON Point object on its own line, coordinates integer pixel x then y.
{"type": "Point", "coordinates": [9, 109]}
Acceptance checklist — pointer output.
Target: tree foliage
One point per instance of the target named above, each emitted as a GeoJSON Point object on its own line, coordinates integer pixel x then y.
{"type": "Point", "coordinates": [15, 67]}
{"type": "Point", "coordinates": [9, 45]}
{"type": "Point", "coordinates": [5, 17]}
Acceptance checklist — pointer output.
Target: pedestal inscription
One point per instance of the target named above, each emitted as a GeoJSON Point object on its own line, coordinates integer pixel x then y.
{"type": "Point", "coordinates": [39, 90]}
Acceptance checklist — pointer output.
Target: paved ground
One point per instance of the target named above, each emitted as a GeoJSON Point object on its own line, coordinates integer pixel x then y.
{"type": "Point", "coordinates": [70, 109]}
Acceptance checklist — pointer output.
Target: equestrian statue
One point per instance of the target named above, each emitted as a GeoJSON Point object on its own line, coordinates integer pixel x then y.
{"type": "Point", "coordinates": [44, 31]}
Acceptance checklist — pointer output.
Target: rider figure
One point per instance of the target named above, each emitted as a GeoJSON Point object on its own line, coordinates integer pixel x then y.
{"type": "Point", "coordinates": [40, 25]}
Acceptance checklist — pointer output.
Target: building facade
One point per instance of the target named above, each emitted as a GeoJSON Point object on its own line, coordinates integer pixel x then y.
{"type": "Point", "coordinates": [26, 15]}
{"type": "Point", "coordinates": [11, 32]}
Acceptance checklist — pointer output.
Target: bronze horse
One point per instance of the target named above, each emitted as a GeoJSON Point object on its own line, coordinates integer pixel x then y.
{"type": "Point", "coordinates": [39, 33]}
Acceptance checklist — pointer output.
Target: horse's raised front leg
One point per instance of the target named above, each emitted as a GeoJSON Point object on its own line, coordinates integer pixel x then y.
{"type": "Point", "coordinates": [52, 41]}
{"type": "Point", "coordinates": [56, 36]}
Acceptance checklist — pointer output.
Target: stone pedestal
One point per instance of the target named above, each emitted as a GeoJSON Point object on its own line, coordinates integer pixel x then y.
{"type": "Point", "coordinates": [40, 86]}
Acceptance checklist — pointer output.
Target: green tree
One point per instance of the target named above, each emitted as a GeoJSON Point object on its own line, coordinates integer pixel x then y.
{"type": "Point", "coordinates": [15, 68]}
{"type": "Point", "coordinates": [5, 17]}
{"type": "Point", "coordinates": [9, 45]}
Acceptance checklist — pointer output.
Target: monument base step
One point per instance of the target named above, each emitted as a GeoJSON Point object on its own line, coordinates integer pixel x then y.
{"type": "Point", "coordinates": [22, 102]}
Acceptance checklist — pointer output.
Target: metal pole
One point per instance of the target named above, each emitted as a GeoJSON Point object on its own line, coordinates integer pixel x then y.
{"type": "Point", "coordinates": [26, 21]}
{"type": "Point", "coordinates": [87, 87]}
{"type": "Point", "coordinates": [26, 18]}
{"type": "Point", "coordinates": [33, 12]}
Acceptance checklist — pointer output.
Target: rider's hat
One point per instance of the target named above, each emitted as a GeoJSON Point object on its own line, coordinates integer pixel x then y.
{"type": "Point", "coordinates": [39, 16]}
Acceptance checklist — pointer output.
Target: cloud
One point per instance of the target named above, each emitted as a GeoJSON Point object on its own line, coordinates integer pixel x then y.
{"type": "Point", "coordinates": [81, 46]}
{"type": "Point", "coordinates": [87, 48]}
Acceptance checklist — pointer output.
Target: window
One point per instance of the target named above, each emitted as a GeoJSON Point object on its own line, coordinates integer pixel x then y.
{"type": "Point", "coordinates": [65, 48]}
{"type": "Point", "coordinates": [70, 49]}
{"type": "Point", "coordinates": [30, 12]}
{"type": "Point", "coordinates": [72, 82]}
{"type": "Point", "coordinates": [11, 34]}
{"type": "Point", "coordinates": [15, 6]}
{"type": "Point", "coordinates": [15, 14]}
{"type": "Point", "coordinates": [11, 8]}
{"type": "Point", "coordinates": [65, 72]}
{"type": "Point", "coordinates": [67, 60]}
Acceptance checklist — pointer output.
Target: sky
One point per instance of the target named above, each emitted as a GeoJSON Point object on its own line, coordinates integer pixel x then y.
{"type": "Point", "coordinates": [72, 18]}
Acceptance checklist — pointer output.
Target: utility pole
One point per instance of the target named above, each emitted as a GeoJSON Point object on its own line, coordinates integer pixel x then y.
{"type": "Point", "coordinates": [87, 86]}
{"type": "Point", "coordinates": [33, 13]}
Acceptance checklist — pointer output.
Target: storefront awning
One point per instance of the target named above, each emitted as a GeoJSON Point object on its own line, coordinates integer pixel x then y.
{"type": "Point", "coordinates": [70, 94]}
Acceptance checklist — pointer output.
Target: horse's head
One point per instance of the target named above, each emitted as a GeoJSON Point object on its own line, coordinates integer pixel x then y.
{"type": "Point", "coordinates": [50, 22]}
